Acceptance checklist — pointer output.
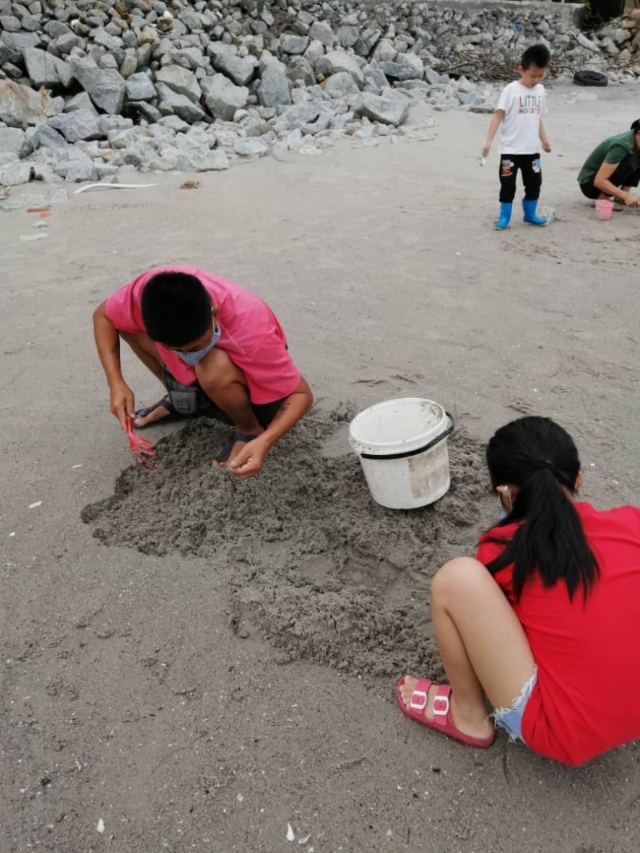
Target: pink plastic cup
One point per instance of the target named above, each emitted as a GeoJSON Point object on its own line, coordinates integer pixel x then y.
{"type": "Point", "coordinates": [604, 209]}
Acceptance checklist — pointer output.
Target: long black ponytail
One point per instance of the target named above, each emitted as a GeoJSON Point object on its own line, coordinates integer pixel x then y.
{"type": "Point", "coordinates": [540, 459]}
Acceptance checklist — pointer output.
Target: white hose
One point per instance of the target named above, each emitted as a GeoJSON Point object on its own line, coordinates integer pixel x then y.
{"type": "Point", "coordinates": [114, 187]}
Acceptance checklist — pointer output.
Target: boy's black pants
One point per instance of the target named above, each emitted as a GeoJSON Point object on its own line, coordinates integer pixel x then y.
{"type": "Point", "coordinates": [529, 165]}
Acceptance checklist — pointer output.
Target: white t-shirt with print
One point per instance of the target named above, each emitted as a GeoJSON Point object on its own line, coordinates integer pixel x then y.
{"type": "Point", "coordinates": [523, 108]}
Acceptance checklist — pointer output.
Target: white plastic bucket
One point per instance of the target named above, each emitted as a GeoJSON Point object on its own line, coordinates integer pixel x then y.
{"type": "Point", "coordinates": [402, 445]}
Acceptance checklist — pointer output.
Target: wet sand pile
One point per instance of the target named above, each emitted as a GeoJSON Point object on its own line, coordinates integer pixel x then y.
{"type": "Point", "coordinates": [312, 562]}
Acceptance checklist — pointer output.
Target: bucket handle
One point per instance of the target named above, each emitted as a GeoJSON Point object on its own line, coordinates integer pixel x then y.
{"type": "Point", "coordinates": [405, 455]}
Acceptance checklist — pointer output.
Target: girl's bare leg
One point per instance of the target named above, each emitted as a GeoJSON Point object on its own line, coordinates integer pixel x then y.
{"type": "Point", "coordinates": [482, 644]}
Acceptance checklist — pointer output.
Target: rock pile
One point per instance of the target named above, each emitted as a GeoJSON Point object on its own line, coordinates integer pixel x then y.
{"type": "Point", "coordinates": [87, 86]}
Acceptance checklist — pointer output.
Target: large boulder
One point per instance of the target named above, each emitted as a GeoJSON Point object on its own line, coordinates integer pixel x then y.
{"type": "Point", "coordinates": [11, 140]}
{"type": "Point", "coordinates": [45, 69]}
{"type": "Point", "coordinates": [77, 125]}
{"type": "Point", "coordinates": [140, 87]}
{"type": "Point", "coordinates": [14, 174]}
{"type": "Point", "coordinates": [274, 88]}
{"type": "Point", "coordinates": [180, 80]}
{"type": "Point", "coordinates": [105, 86]}
{"type": "Point", "coordinates": [341, 84]}
{"type": "Point", "coordinates": [406, 66]}
{"type": "Point", "coordinates": [172, 103]}
{"type": "Point", "coordinates": [20, 106]}
{"type": "Point", "coordinates": [222, 97]}
{"type": "Point", "coordinates": [323, 33]}
{"type": "Point", "coordinates": [239, 70]}
{"type": "Point", "coordinates": [384, 110]}
{"type": "Point", "coordinates": [292, 44]}
{"type": "Point", "coordinates": [336, 61]}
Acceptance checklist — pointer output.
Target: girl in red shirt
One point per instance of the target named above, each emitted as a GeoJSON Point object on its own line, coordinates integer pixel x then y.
{"type": "Point", "coordinates": [545, 623]}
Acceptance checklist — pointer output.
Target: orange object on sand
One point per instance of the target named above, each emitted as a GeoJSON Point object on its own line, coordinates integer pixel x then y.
{"type": "Point", "coordinates": [141, 448]}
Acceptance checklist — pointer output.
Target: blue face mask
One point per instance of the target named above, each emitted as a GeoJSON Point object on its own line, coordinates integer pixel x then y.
{"type": "Point", "coordinates": [192, 358]}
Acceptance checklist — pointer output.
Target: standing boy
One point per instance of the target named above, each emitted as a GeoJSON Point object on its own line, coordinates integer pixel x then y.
{"type": "Point", "coordinates": [518, 115]}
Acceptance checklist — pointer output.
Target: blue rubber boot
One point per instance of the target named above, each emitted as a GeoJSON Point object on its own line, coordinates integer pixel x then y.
{"type": "Point", "coordinates": [530, 215]}
{"type": "Point", "coordinates": [505, 217]}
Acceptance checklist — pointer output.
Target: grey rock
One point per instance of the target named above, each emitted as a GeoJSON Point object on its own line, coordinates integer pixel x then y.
{"type": "Point", "coordinates": [314, 52]}
{"type": "Point", "coordinates": [348, 36]}
{"type": "Point", "coordinates": [222, 97]}
{"type": "Point", "coordinates": [268, 60]}
{"type": "Point", "coordinates": [173, 103]}
{"type": "Point", "coordinates": [181, 81]}
{"type": "Point", "coordinates": [374, 80]}
{"type": "Point", "coordinates": [367, 41]}
{"type": "Point", "coordinates": [140, 87]}
{"type": "Point", "coordinates": [191, 58]}
{"type": "Point", "coordinates": [14, 174]}
{"type": "Point", "coordinates": [11, 140]}
{"type": "Point", "coordinates": [10, 24]}
{"type": "Point", "coordinates": [77, 171]}
{"type": "Point", "coordinates": [251, 148]}
{"type": "Point", "coordinates": [45, 136]}
{"type": "Point", "coordinates": [172, 123]}
{"type": "Point", "coordinates": [384, 51]}
{"type": "Point", "coordinates": [129, 63]}
{"type": "Point", "coordinates": [21, 41]}
{"type": "Point", "coordinates": [296, 116]}
{"type": "Point", "coordinates": [341, 84]}
{"type": "Point", "coordinates": [77, 125]}
{"type": "Point", "coordinates": [102, 37]}
{"type": "Point", "coordinates": [407, 66]}
{"type": "Point", "coordinates": [81, 101]}
{"type": "Point", "coordinates": [106, 173]}
{"type": "Point", "coordinates": [384, 110]}
{"type": "Point", "coordinates": [106, 88]}
{"type": "Point", "coordinates": [65, 43]}
{"type": "Point", "coordinates": [209, 161]}
{"type": "Point", "coordinates": [44, 69]}
{"type": "Point", "coordinates": [144, 110]}
{"type": "Point", "coordinates": [20, 106]}
{"type": "Point", "coordinates": [323, 33]}
{"type": "Point", "coordinates": [240, 71]}
{"type": "Point", "coordinates": [274, 88]}
{"type": "Point", "coordinates": [292, 44]}
{"type": "Point", "coordinates": [336, 61]}
{"type": "Point", "coordinates": [432, 77]}
{"type": "Point", "coordinates": [300, 70]}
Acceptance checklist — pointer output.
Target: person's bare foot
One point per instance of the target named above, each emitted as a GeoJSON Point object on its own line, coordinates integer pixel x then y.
{"type": "Point", "coordinates": [236, 449]}
{"type": "Point", "coordinates": [472, 722]}
{"type": "Point", "coordinates": [157, 414]}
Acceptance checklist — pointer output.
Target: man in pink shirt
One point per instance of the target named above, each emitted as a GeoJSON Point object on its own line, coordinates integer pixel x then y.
{"type": "Point", "coordinates": [219, 351]}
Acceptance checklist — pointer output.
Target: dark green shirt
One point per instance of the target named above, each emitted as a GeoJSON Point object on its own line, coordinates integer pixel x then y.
{"type": "Point", "coordinates": [612, 150]}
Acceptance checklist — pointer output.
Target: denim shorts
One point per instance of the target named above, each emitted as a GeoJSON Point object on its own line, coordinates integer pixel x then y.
{"type": "Point", "coordinates": [510, 719]}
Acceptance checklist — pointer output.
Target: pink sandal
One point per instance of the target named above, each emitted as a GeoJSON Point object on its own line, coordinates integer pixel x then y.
{"type": "Point", "coordinates": [442, 721]}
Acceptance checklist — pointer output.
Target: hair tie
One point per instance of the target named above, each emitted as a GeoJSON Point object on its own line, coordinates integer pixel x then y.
{"type": "Point", "coordinates": [544, 463]}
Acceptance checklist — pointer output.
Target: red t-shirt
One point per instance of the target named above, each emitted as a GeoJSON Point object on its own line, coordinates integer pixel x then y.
{"type": "Point", "coordinates": [587, 698]}
{"type": "Point", "coordinates": [251, 333]}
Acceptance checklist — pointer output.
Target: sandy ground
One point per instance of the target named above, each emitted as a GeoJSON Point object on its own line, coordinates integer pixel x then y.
{"type": "Point", "coordinates": [199, 663]}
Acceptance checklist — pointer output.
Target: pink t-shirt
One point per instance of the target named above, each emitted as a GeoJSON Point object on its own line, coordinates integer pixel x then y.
{"type": "Point", "coordinates": [251, 333]}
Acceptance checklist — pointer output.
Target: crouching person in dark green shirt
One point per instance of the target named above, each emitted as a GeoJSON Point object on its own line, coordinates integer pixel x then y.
{"type": "Point", "coordinates": [613, 168]}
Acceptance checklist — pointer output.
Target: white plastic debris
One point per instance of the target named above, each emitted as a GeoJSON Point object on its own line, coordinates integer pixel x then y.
{"type": "Point", "coordinates": [36, 504]}
{"type": "Point", "coordinates": [304, 840]}
{"type": "Point", "coordinates": [30, 238]}
{"type": "Point", "coordinates": [291, 836]}
{"type": "Point", "coordinates": [100, 826]}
